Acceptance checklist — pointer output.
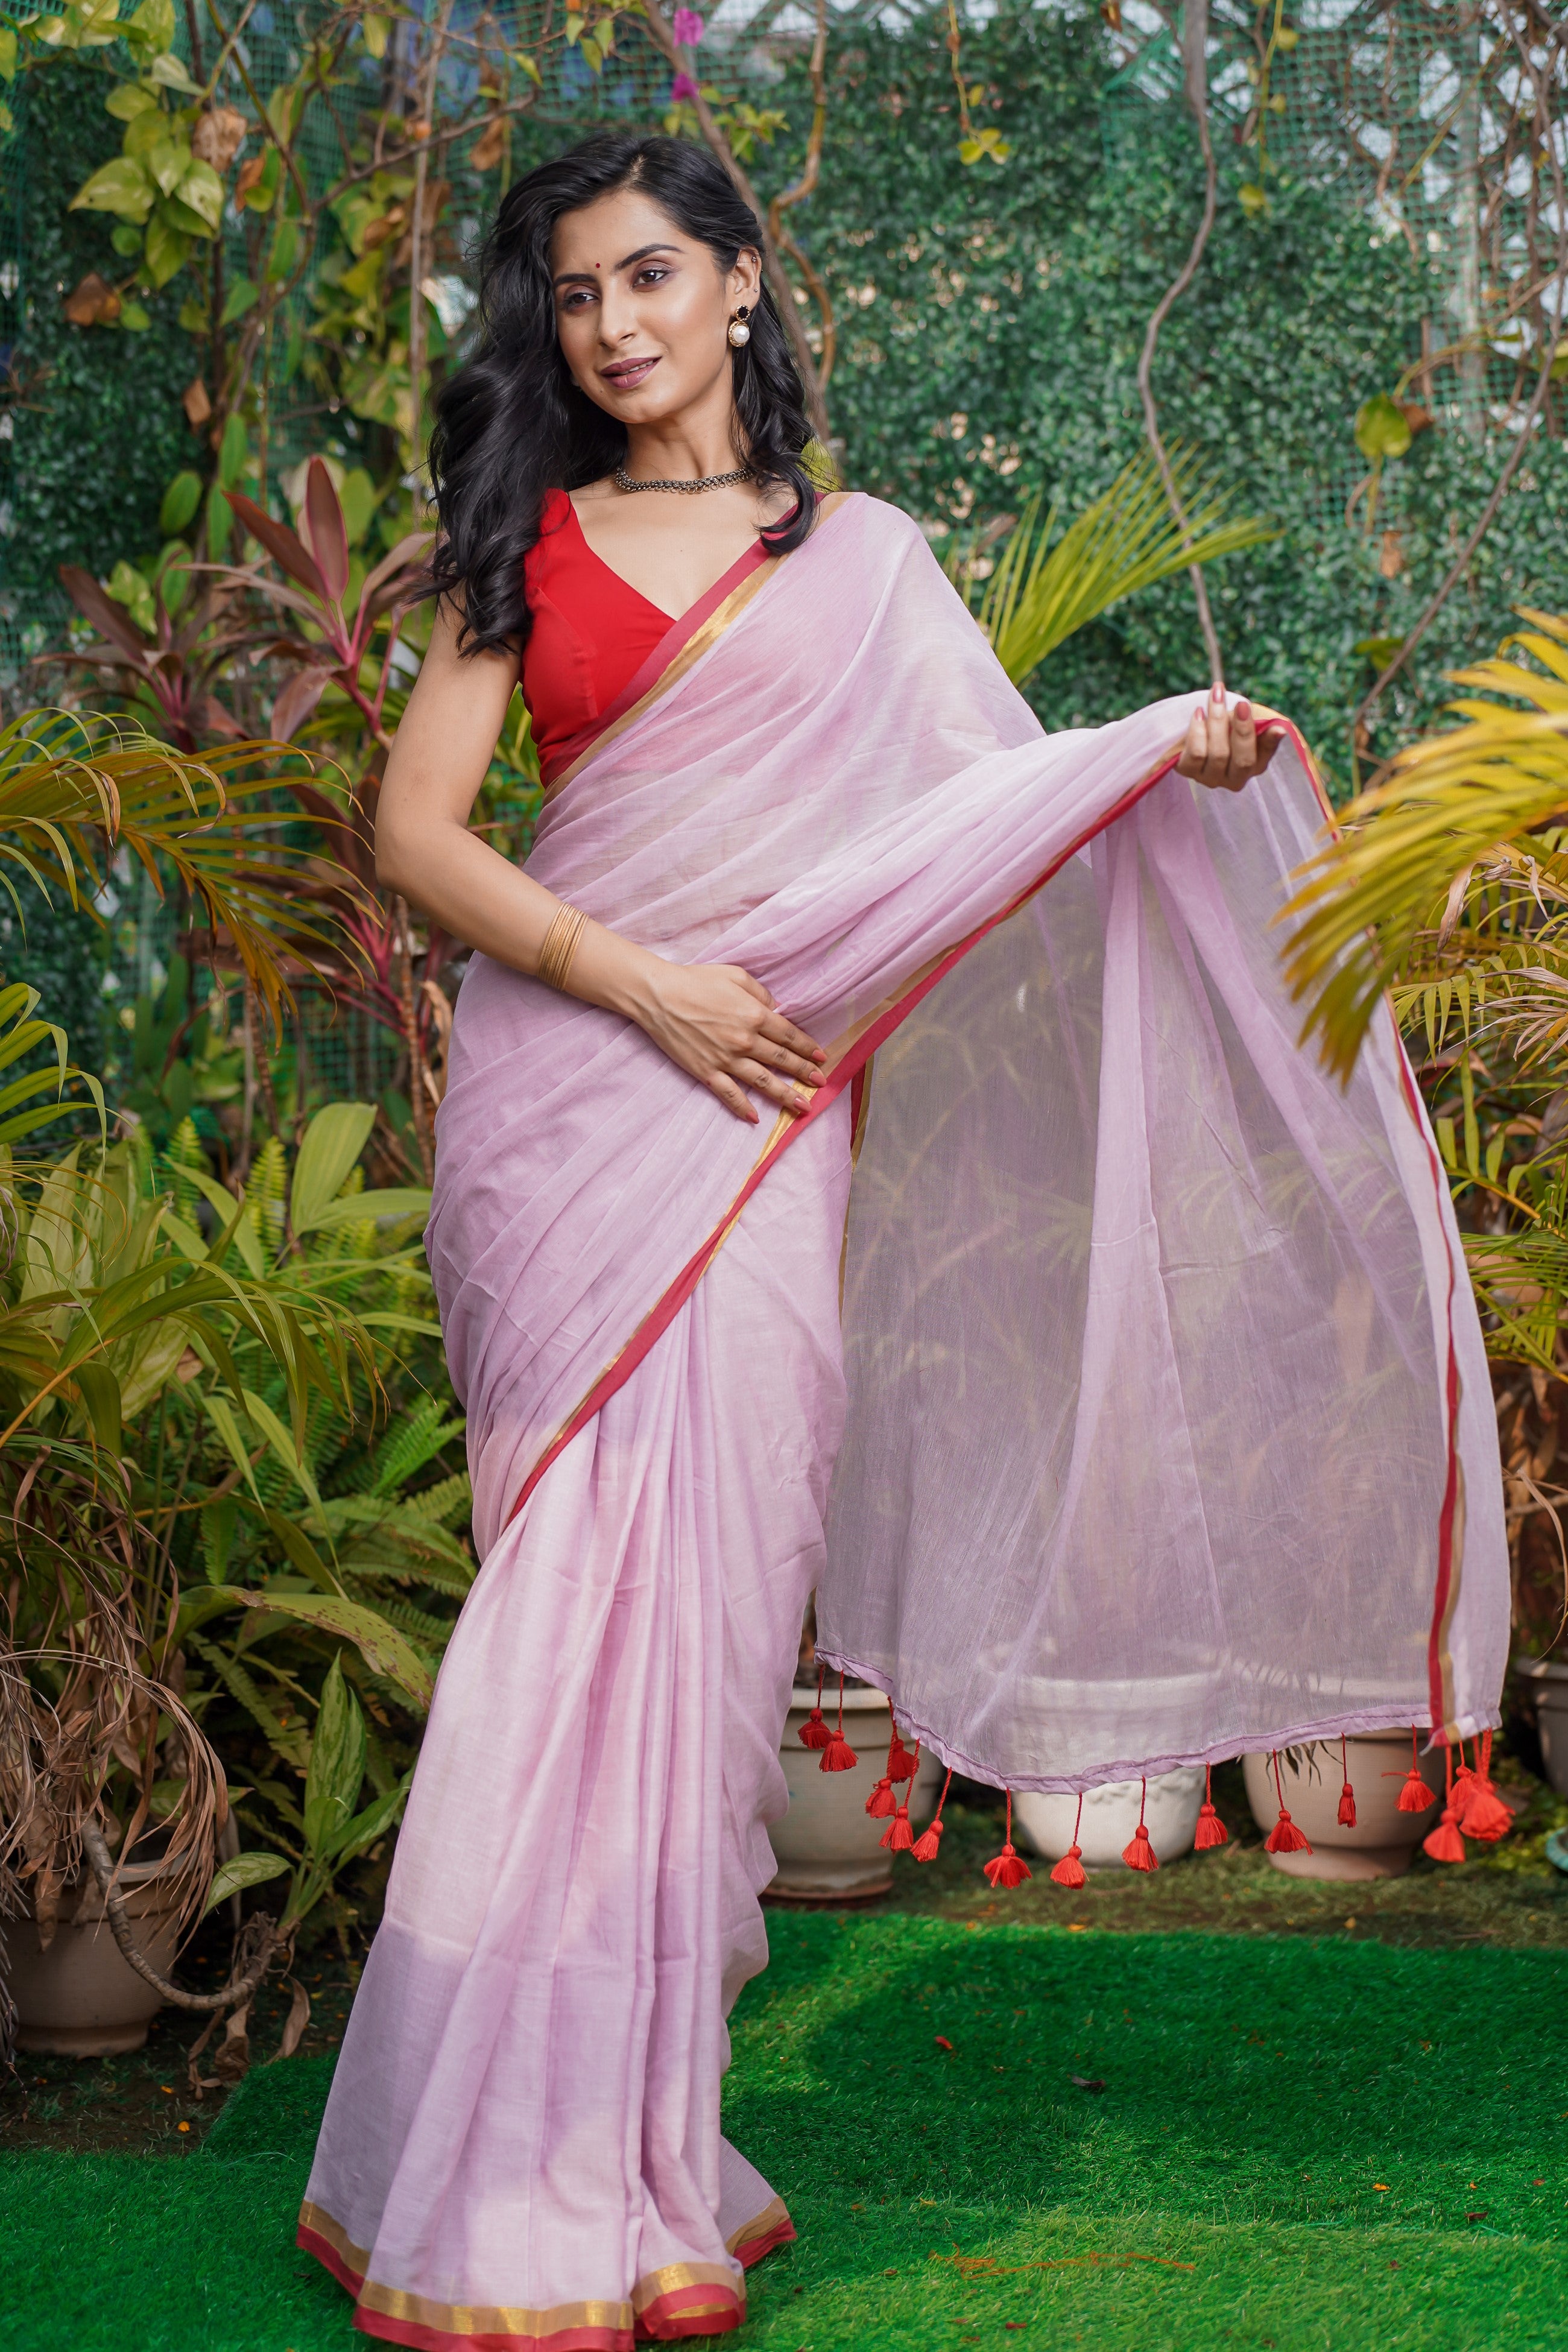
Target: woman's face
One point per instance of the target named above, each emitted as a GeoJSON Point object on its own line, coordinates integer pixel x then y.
{"type": "Point", "coordinates": [642, 311]}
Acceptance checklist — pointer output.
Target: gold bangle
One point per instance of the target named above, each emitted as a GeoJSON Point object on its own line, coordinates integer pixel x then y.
{"type": "Point", "coordinates": [560, 946]}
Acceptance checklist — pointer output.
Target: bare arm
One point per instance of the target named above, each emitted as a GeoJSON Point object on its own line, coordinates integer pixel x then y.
{"type": "Point", "coordinates": [716, 1021]}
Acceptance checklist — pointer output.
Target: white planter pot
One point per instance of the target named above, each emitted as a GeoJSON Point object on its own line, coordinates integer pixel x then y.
{"type": "Point", "coordinates": [1548, 1683]}
{"type": "Point", "coordinates": [827, 1847]}
{"type": "Point", "coordinates": [1110, 1816]}
{"type": "Point", "coordinates": [1384, 1839]}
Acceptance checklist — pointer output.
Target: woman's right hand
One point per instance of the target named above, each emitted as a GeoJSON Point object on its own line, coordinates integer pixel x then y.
{"type": "Point", "coordinates": [723, 1029]}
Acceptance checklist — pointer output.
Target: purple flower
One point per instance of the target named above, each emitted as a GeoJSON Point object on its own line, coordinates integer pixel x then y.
{"type": "Point", "coordinates": [682, 87]}
{"type": "Point", "coordinates": [686, 28]}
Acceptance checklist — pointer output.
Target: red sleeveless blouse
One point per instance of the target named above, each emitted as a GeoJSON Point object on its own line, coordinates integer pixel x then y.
{"type": "Point", "coordinates": [592, 632]}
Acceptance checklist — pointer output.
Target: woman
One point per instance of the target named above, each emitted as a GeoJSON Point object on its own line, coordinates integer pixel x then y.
{"type": "Point", "coordinates": [1160, 1381]}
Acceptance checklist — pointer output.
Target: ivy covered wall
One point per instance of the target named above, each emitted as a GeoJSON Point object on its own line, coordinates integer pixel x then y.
{"type": "Point", "coordinates": [97, 426]}
{"type": "Point", "coordinates": [991, 321]}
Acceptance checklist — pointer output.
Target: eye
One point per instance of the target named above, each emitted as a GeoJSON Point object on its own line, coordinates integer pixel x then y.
{"type": "Point", "coordinates": [653, 273]}
{"type": "Point", "coordinates": [575, 297]}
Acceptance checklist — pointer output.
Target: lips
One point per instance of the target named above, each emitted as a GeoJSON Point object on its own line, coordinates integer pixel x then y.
{"type": "Point", "coordinates": [625, 375]}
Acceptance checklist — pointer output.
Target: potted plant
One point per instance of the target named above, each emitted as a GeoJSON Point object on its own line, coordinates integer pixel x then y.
{"type": "Point", "coordinates": [1167, 1804]}
{"type": "Point", "coordinates": [829, 1847]}
{"type": "Point", "coordinates": [1380, 1840]}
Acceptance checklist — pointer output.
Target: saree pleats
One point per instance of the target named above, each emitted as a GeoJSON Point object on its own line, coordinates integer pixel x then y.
{"type": "Point", "coordinates": [523, 2139]}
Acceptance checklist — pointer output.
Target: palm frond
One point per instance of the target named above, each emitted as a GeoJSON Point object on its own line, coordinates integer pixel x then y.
{"type": "Point", "coordinates": [1456, 813]}
{"type": "Point", "coordinates": [1045, 587]}
{"type": "Point", "coordinates": [73, 791]}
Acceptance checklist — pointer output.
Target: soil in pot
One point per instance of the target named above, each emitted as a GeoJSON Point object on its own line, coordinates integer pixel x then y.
{"type": "Point", "coordinates": [827, 1847]}
{"type": "Point", "coordinates": [1384, 1839]}
{"type": "Point", "coordinates": [1110, 1815]}
{"type": "Point", "coordinates": [79, 1999]}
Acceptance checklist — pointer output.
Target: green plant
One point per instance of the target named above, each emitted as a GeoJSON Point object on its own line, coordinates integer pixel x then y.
{"type": "Point", "coordinates": [183, 1056]}
{"type": "Point", "coordinates": [75, 793]}
{"type": "Point", "coordinates": [1449, 886]}
{"type": "Point", "coordinates": [287, 1543]}
{"type": "Point", "coordinates": [1045, 586]}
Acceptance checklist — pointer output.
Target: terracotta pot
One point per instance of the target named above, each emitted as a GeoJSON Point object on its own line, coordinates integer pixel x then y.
{"type": "Point", "coordinates": [1384, 1839]}
{"type": "Point", "coordinates": [81, 1998]}
{"type": "Point", "coordinates": [1045, 1823]}
{"type": "Point", "coordinates": [829, 1848]}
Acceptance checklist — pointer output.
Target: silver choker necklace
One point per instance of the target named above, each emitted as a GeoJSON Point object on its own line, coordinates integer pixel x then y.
{"type": "Point", "coordinates": [624, 482]}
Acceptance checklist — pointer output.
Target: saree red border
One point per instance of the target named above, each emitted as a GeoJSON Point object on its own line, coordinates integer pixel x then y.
{"type": "Point", "coordinates": [703, 2307]}
{"type": "Point", "coordinates": [782, 2233]}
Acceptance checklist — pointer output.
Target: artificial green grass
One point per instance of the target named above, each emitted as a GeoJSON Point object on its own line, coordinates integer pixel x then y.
{"type": "Point", "coordinates": [1303, 2145]}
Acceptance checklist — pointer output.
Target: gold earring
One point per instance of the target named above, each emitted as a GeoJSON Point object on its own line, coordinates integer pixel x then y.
{"type": "Point", "coordinates": [740, 333]}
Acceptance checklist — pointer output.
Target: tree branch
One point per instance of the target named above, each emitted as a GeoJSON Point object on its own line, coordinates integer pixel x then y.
{"type": "Point", "coordinates": [778, 279]}
{"type": "Point", "coordinates": [1194, 35]}
{"type": "Point", "coordinates": [803, 187]}
{"type": "Point", "coordinates": [261, 1934]}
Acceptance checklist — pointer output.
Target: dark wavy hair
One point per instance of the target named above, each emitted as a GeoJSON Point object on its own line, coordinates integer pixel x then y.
{"type": "Point", "coordinates": [512, 424]}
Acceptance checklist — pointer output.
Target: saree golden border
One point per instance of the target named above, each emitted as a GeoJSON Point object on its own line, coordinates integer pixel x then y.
{"type": "Point", "coordinates": [848, 1056]}
{"type": "Point", "coordinates": [662, 2304]}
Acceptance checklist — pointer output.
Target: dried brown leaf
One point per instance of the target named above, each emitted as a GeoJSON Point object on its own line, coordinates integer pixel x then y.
{"type": "Point", "coordinates": [219, 136]}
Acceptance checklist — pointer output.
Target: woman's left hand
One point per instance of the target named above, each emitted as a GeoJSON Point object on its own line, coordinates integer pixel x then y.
{"type": "Point", "coordinates": [1224, 749]}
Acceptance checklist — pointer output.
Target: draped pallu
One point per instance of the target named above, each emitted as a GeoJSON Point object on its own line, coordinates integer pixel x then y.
{"type": "Point", "coordinates": [1128, 1408]}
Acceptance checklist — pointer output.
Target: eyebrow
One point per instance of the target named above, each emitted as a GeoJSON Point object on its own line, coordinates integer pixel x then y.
{"type": "Point", "coordinates": [586, 277]}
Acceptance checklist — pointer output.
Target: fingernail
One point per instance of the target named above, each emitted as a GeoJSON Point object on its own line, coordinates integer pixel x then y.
{"type": "Point", "coordinates": [1217, 692]}
{"type": "Point", "coordinates": [1243, 708]}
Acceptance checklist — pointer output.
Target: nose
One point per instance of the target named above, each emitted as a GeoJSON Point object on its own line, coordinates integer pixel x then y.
{"type": "Point", "coordinates": [618, 322]}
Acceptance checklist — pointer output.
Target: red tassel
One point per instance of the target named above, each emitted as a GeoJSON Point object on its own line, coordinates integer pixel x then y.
{"type": "Point", "coordinates": [901, 1764]}
{"type": "Point", "coordinates": [1444, 1843]}
{"type": "Point", "coordinates": [1069, 1871]}
{"type": "Point", "coordinates": [1416, 1796]}
{"type": "Point", "coordinates": [881, 1800]}
{"type": "Point", "coordinates": [1483, 1814]}
{"type": "Point", "coordinates": [1137, 1854]}
{"type": "Point", "coordinates": [813, 1732]}
{"type": "Point", "coordinates": [1008, 1869]}
{"type": "Point", "coordinates": [898, 1837]}
{"type": "Point", "coordinates": [1211, 1830]}
{"type": "Point", "coordinates": [1284, 1837]}
{"type": "Point", "coordinates": [924, 1848]}
{"type": "Point", "coordinates": [1347, 1794]}
{"type": "Point", "coordinates": [837, 1755]}
{"type": "Point", "coordinates": [1486, 1817]}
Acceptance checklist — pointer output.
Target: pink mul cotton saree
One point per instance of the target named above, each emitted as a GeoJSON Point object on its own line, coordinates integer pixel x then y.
{"type": "Point", "coordinates": [1129, 1408]}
